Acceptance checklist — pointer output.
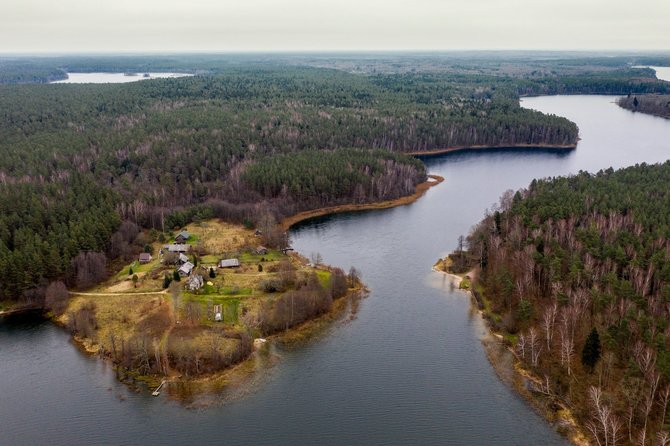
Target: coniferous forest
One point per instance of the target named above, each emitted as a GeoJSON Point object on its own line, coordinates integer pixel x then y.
{"type": "Point", "coordinates": [85, 166]}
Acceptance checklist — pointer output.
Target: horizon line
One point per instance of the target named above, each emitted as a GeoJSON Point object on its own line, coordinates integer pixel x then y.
{"type": "Point", "coordinates": [53, 53]}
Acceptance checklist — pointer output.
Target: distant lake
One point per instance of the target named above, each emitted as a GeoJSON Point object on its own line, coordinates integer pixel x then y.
{"type": "Point", "coordinates": [114, 78]}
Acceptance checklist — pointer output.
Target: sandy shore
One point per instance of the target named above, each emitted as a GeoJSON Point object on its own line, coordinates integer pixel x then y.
{"type": "Point", "coordinates": [421, 188]}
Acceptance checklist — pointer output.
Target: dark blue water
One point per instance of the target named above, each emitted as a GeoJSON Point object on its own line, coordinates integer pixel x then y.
{"type": "Point", "coordinates": [409, 369]}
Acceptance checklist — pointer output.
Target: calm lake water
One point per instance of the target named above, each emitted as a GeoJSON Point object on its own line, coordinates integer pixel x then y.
{"type": "Point", "coordinates": [114, 78]}
{"type": "Point", "coordinates": [409, 369]}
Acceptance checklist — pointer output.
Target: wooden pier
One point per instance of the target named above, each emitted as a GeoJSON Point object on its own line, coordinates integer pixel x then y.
{"type": "Point", "coordinates": [157, 391]}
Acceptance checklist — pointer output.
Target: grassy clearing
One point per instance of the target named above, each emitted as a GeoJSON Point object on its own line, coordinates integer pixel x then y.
{"type": "Point", "coordinates": [158, 321]}
{"type": "Point", "coordinates": [210, 259]}
{"type": "Point", "coordinates": [137, 268]}
{"type": "Point", "coordinates": [324, 277]}
{"type": "Point", "coordinates": [220, 238]}
{"type": "Point", "coordinates": [252, 257]}
{"type": "Point", "coordinates": [119, 316]}
{"type": "Point", "coordinates": [230, 307]}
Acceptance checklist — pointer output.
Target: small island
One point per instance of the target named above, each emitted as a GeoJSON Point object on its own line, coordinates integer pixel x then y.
{"type": "Point", "coordinates": [190, 307]}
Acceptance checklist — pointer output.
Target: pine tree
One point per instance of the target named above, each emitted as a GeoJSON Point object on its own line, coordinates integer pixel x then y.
{"type": "Point", "coordinates": [212, 274]}
{"type": "Point", "coordinates": [176, 277]}
{"type": "Point", "coordinates": [166, 281]}
{"type": "Point", "coordinates": [591, 352]}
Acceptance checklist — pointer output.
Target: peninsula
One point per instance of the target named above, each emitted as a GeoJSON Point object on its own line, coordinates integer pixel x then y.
{"type": "Point", "coordinates": [190, 307]}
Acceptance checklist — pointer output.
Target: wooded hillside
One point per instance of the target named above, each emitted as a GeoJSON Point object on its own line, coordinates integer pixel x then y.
{"type": "Point", "coordinates": [577, 273]}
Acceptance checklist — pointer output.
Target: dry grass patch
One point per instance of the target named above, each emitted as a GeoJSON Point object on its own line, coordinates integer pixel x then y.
{"type": "Point", "coordinates": [218, 237]}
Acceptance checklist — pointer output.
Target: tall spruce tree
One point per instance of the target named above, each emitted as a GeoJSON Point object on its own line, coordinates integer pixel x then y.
{"type": "Point", "coordinates": [591, 352]}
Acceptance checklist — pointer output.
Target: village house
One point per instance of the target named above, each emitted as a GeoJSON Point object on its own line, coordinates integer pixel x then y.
{"type": "Point", "coordinates": [182, 237]}
{"type": "Point", "coordinates": [229, 263]}
{"type": "Point", "coordinates": [182, 258]}
{"type": "Point", "coordinates": [195, 282]}
{"type": "Point", "coordinates": [262, 250]}
{"type": "Point", "coordinates": [177, 248]}
{"type": "Point", "coordinates": [186, 269]}
{"type": "Point", "coordinates": [145, 257]}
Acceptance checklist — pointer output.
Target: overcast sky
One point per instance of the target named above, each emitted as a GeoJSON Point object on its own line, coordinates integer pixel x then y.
{"type": "Point", "coordinates": [285, 25]}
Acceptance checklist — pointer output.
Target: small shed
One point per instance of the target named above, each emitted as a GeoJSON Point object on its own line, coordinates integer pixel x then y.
{"type": "Point", "coordinates": [262, 250]}
{"type": "Point", "coordinates": [218, 316]}
{"type": "Point", "coordinates": [229, 263]}
{"type": "Point", "coordinates": [145, 257]}
{"type": "Point", "coordinates": [182, 237]}
{"type": "Point", "coordinates": [186, 269]}
{"type": "Point", "coordinates": [195, 282]}
{"type": "Point", "coordinates": [182, 258]}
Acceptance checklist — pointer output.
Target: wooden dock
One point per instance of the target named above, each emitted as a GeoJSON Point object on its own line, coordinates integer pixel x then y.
{"type": "Point", "coordinates": [158, 389]}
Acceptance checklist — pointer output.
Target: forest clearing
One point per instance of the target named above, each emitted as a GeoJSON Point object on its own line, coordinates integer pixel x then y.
{"type": "Point", "coordinates": [152, 322]}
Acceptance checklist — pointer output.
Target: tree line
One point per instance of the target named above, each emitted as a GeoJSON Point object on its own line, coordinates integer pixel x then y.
{"type": "Point", "coordinates": [651, 104]}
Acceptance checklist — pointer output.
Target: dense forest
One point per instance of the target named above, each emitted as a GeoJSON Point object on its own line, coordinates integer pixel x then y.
{"type": "Point", "coordinates": [652, 104]}
{"type": "Point", "coordinates": [342, 176]}
{"type": "Point", "coordinates": [576, 273]}
{"type": "Point", "coordinates": [245, 136]}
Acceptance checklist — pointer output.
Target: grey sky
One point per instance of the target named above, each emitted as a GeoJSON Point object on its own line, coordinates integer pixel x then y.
{"type": "Point", "coordinates": [271, 25]}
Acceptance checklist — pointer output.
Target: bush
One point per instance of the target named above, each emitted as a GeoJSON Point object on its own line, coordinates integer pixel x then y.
{"type": "Point", "coordinates": [272, 286]}
{"type": "Point", "coordinates": [295, 307]}
{"type": "Point", "coordinates": [83, 322]}
{"type": "Point", "coordinates": [338, 283]}
{"type": "Point", "coordinates": [56, 297]}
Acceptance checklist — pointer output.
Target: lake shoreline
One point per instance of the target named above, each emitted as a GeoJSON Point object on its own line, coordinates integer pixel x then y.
{"type": "Point", "coordinates": [644, 112]}
{"type": "Point", "coordinates": [139, 306]}
{"type": "Point", "coordinates": [420, 189]}
{"type": "Point", "coordinates": [507, 367]}
{"type": "Point", "coordinates": [18, 310]}
{"type": "Point", "coordinates": [456, 149]}
{"type": "Point", "coordinates": [237, 377]}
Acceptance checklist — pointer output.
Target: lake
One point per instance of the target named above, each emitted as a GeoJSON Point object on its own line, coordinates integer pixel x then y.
{"type": "Point", "coordinates": [408, 369]}
{"type": "Point", "coordinates": [662, 73]}
{"type": "Point", "coordinates": [114, 78]}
